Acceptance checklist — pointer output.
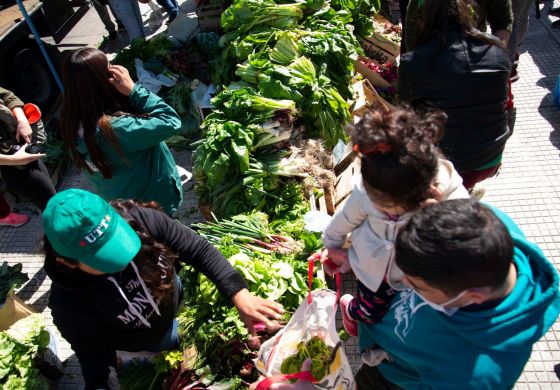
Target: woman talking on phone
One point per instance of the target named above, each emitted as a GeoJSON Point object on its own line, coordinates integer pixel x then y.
{"type": "Point", "coordinates": [115, 131]}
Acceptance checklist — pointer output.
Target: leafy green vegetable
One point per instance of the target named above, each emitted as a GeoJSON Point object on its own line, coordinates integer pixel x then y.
{"type": "Point", "coordinates": [362, 12]}
{"type": "Point", "coordinates": [18, 345]}
{"type": "Point", "coordinates": [10, 277]}
{"type": "Point", "coordinates": [144, 50]}
{"type": "Point", "coordinates": [316, 349]}
{"type": "Point", "coordinates": [243, 15]}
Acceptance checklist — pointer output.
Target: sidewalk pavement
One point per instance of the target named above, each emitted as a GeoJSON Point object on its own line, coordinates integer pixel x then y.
{"type": "Point", "coordinates": [527, 188]}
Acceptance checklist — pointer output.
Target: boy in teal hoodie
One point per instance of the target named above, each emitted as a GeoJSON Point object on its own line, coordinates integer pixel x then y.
{"type": "Point", "coordinates": [481, 296]}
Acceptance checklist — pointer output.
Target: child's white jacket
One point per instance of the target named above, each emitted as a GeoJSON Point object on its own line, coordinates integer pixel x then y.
{"type": "Point", "coordinates": [372, 252]}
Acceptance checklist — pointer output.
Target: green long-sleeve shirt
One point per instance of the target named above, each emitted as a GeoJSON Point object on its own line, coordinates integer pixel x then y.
{"type": "Point", "coordinates": [9, 99]}
{"type": "Point", "coordinates": [497, 13]}
{"type": "Point", "coordinates": [148, 172]}
{"type": "Point", "coordinates": [8, 123]}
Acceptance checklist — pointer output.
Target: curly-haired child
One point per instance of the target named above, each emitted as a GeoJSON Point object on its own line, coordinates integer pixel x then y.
{"type": "Point", "coordinates": [401, 171]}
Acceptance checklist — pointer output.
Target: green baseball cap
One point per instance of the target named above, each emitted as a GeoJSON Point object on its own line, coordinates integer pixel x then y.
{"type": "Point", "coordinates": [82, 226]}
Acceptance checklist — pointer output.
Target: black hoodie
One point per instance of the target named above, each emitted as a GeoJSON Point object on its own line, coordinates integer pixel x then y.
{"type": "Point", "coordinates": [101, 314]}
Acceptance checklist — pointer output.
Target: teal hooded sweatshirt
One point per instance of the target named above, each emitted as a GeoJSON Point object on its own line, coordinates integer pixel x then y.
{"type": "Point", "coordinates": [148, 172]}
{"type": "Point", "coordinates": [482, 349]}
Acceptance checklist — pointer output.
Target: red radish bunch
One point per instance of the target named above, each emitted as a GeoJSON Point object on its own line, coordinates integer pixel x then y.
{"type": "Point", "coordinates": [388, 71]}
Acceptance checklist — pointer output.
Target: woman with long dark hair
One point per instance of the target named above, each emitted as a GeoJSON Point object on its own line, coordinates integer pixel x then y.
{"type": "Point", "coordinates": [115, 130]}
{"type": "Point", "coordinates": [114, 282]}
{"type": "Point", "coordinates": [463, 72]}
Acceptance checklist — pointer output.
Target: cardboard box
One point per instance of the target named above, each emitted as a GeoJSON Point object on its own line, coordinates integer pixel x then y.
{"type": "Point", "coordinates": [375, 52]}
{"type": "Point", "coordinates": [48, 363]}
{"type": "Point", "coordinates": [374, 78]}
{"type": "Point", "coordinates": [12, 310]}
{"type": "Point", "coordinates": [367, 98]}
{"type": "Point", "coordinates": [382, 42]}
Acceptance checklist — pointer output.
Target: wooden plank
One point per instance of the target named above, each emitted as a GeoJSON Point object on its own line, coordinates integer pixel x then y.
{"type": "Point", "coordinates": [378, 54]}
{"type": "Point", "coordinates": [347, 159]}
{"type": "Point", "coordinates": [12, 14]}
{"type": "Point", "coordinates": [323, 205]}
{"type": "Point", "coordinates": [374, 78]}
{"type": "Point", "coordinates": [345, 181]}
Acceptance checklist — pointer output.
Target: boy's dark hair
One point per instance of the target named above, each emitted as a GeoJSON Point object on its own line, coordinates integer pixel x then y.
{"type": "Point", "coordinates": [399, 157]}
{"type": "Point", "coordinates": [455, 245]}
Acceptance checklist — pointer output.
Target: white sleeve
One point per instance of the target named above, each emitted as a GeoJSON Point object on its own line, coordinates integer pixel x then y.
{"type": "Point", "coordinates": [346, 219]}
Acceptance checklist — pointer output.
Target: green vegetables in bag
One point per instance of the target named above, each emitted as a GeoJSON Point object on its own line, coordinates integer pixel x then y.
{"type": "Point", "coordinates": [315, 349]}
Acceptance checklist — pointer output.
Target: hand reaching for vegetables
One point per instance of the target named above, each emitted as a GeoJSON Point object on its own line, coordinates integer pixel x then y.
{"type": "Point", "coordinates": [253, 309]}
{"type": "Point", "coordinates": [333, 259]}
{"type": "Point", "coordinates": [121, 79]}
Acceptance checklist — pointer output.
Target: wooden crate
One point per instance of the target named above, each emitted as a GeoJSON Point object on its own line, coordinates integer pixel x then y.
{"type": "Point", "coordinates": [374, 78]}
{"type": "Point", "coordinates": [367, 98]}
{"type": "Point", "coordinates": [336, 196]}
{"type": "Point", "coordinates": [382, 42]}
{"type": "Point", "coordinates": [375, 52]}
{"type": "Point", "coordinates": [209, 16]}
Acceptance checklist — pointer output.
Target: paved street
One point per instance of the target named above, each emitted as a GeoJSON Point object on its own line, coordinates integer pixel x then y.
{"type": "Point", "coordinates": [527, 188]}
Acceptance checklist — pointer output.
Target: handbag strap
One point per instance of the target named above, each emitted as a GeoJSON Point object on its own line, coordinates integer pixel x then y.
{"type": "Point", "coordinates": [269, 381]}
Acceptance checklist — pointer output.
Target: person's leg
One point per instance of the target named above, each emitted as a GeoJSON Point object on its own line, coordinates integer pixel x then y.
{"type": "Point", "coordinates": [128, 12]}
{"type": "Point", "coordinates": [403, 5]}
{"type": "Point", "coordinates": [369, 306]}
{"type": "Point", "coordinates": [33, 182]}
{"type": "Point", "coordinates": [471, 178]}
{"type": "Point", "coordinates": [170, 6]}
{"type": "Point", "coordinates": [369, 378]}
{"type": "Point", "coordinates": [103, 13]}
{"type": "Point", "coordinates": [7, 217]}
{"type": "Point", "coordinates": [120, 26]}
{"type": "Point", "coordinates": [520, 22]}
{"type": "Point", "coordinates": [5, 208]}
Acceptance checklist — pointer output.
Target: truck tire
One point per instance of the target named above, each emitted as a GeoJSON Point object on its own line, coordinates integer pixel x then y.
{"type": "Point", "coordinates": [32, 80]}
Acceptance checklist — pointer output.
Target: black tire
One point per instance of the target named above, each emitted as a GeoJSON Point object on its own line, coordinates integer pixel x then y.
{"type": "Point", "coordinates": [32, 80]}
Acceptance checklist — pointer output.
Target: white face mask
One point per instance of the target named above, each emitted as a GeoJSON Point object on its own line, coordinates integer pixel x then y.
{"type": "Point", "coordinates": [442, 306]}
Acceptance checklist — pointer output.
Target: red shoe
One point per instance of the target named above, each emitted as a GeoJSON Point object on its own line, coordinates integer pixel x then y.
{"type": "Point", "coordinates": [350, 325]}
{"type": "Point", "coordinates": [14, 220]}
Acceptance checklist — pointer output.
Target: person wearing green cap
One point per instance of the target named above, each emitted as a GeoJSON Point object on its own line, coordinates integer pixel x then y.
{"type": "Point", "coordinates": [115, 130]}
{"type": "Point", "coordinates": [114, 281]}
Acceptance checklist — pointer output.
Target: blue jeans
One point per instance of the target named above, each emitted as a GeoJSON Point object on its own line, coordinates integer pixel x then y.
{"type": "Point", "coordinates": [170, 6]}
{"type": "Point", "coordinates": [128, 12]}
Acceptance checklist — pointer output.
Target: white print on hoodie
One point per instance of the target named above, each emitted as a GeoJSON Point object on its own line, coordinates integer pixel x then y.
{"type": "Point", "coordinates": [374, 234]}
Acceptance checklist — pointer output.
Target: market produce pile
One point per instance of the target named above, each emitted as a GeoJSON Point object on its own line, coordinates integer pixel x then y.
{"type": "Point", "coordinates": [217, 349]}
{"type": "Point", "coordinates": [18, 345]}
{"type": "Point", "coordinates": [189, 65]}
{"type": "Point", "coordinates": [285, 72]}
{"type": "Point", "coordinates": [283, 82]}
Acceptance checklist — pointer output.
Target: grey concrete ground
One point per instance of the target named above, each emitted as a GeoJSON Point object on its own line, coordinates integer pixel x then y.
{"type": "Point", "coordinates": [527, 188]}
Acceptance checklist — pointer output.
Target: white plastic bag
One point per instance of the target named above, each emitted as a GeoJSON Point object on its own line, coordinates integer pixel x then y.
{"type": "Point", "coordinates": [315, 318]}
{"type": "Point", "coordinates": [150, 80]}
